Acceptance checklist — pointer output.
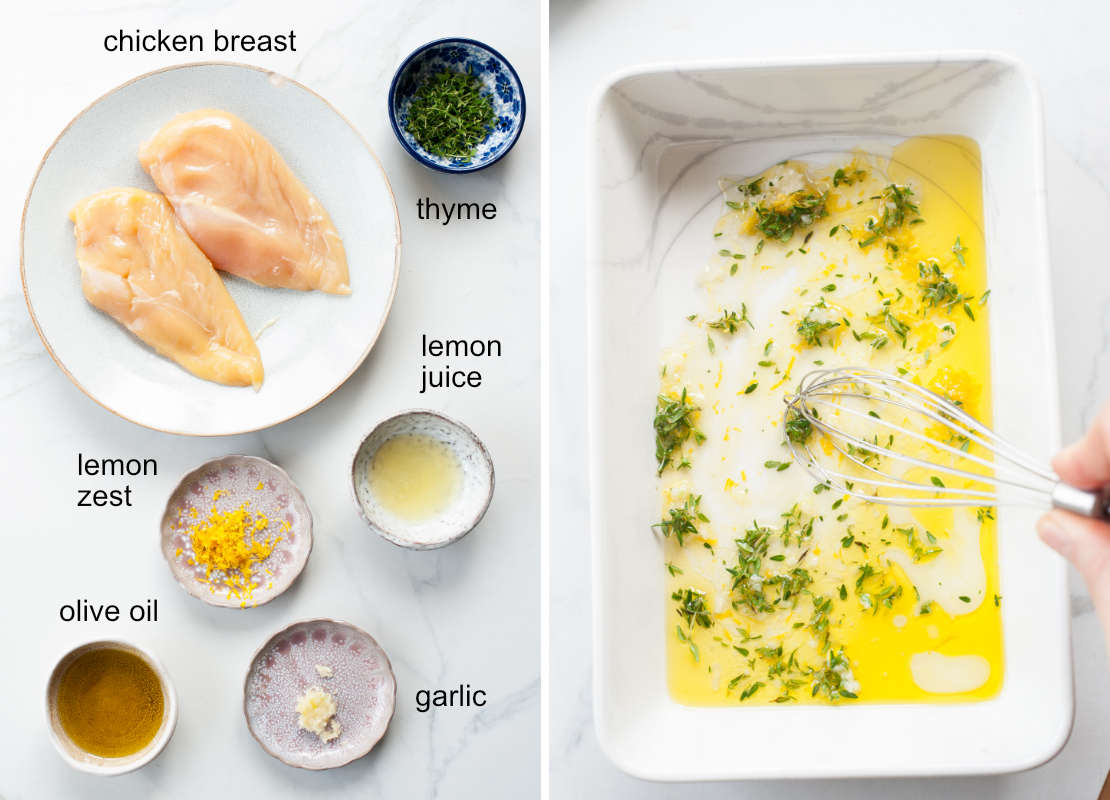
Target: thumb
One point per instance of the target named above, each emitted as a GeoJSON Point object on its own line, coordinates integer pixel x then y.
{"type": "Point", "coordinates": [1086, 544]}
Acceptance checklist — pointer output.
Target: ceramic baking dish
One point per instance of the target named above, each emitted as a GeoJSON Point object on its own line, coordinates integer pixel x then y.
{"type": "Point", "coordinates": [660, 137]}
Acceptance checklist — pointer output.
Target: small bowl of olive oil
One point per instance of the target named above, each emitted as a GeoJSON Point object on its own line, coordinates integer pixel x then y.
{"type": "Point", "coordinates": [110, 707]}
{"type": "Point", "coordinates": [422, 480]}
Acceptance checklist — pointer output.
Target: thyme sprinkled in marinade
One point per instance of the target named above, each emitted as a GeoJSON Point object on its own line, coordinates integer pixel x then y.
{"type": "Point", "coordinates": [799, 210]}
{"type": "Point", "coordinates": [829, 680]}
{"type": "Point", "coordinates": [691, 607]}
{"type": "Point", "coordinates": [921, 551]}
{"type": "Point", "coordinates": [848, 177]}
{"type": "Point", "coordinates": [896, 207]}
{"type": "Point", "coordinates": [798, 428]}
{"type": "Point", "coordinates": [730, 321]}
{"type": "Point", "coordinates": [937, 288]}
{"type": "Point", "coordinates": [811, 329]}
{"type": "Point", "coordinates": [674, 424]}
{"type": "Point", "coordinates": [682, 520]}
{"type": "Point", "coordinates": [451, 114]}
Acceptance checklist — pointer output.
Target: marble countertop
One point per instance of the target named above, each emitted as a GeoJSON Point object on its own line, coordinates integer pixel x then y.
{"type": "Point", "coordinates": [464, 614]}
{"type": "Point", "coordinates": [1062, 43]}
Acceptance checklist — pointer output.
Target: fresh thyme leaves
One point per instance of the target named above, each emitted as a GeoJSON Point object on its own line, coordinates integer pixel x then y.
{"type": "Point", "coordinates": [692, 609]}
{"type": "Point", "coordinates": [798, 428]}
{"type": "Point", "coordinates": [795, 526]}
{"type": "Point", "coordinates": [761, 592]}
{"type": "Point", "coordinates": [798, 210]}
{"type": "Point", "coordinates": [674, 570]}
{"type": "Point", "coordinates": [830, 679]}
{"type": "Point", "coordinates": [872, 597]}
{"type": "Point", "coordinates": [682, 520]}
{"type": "Point", "coordinates": [730, 321]}
{"type": "Point", "coordinates": [958, 250]}
{"type": "Point", "coordinates": [682, 637]}
{"type": "Point", "coordinates": [984, 513]}
{"type": "Point", "coordinates": [921, 551]}
{"type": "Point", "coordinates": [811, 329]}
{"type": "Point", "coordinates": [751, 690]}
{"type": "Point", "coordinates": [674, 424]}
{"type": "Point", "coordinates": [896, 206]}
{"type": "Point", "coordinates": [778, 466]}
{"type": "Point", "coordinates": [885, 316]}
{"type": "Point", "coordinates": [899, 328]}
{"type": "Point", "coordinates": [451, 114]}
{"type": "Point", "coordinates": [937, 288]}
{"type": "Point", "coordinates": [848, 177]}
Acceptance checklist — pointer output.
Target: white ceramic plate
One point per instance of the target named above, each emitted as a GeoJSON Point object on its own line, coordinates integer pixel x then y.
{"type": "Point", "coordinates": [313, 342]}
{"type": "Point", "coordinates": [661, 137]}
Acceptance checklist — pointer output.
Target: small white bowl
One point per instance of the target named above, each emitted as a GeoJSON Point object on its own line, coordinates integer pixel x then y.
{"type": "Point", "coordinates": [468, 507]}
{"type": "Point", "coordinates": [98, 765]}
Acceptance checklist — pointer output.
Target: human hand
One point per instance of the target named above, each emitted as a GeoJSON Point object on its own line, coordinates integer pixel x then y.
{"type": "Point", "coordinates": [1083, 541]}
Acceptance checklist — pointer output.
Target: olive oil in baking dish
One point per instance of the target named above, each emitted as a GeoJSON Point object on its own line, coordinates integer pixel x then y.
{"type": "Point", "coordinates": [780, 590]}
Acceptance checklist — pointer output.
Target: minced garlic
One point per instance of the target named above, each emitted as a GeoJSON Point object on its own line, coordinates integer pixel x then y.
{"type": "Point", "coordinates": [317, 709]}
{"type": "Point", "coordinates": [324, 671]}
{"type": "Point", "coordinates": [232, 544]}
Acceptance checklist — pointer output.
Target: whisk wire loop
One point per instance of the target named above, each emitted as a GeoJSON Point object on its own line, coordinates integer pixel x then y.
{"type": "Point", "coordinates": [1008, 475]}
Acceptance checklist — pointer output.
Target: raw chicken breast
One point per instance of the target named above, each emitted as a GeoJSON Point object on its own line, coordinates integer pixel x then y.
{"type": "Point", "coordinates": [242, 204]}
{"type": "Point", "coordinates": [139, 266]}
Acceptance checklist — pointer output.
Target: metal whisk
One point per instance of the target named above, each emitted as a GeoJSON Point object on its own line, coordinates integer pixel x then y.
{"type": "Point", "coordinates": [909, 444]}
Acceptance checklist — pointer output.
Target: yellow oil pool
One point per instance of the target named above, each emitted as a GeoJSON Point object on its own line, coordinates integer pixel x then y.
{"type": "Point", "coordinates": [780, 590]}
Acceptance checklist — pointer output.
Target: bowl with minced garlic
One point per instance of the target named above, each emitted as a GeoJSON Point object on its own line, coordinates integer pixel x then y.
{"type": "Point", "coordinates": [456, 105]}
{"type": "Point", "coordinates": [319, 694]}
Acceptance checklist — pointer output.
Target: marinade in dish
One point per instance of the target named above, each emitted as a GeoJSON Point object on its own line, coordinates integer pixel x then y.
{"type": "Point", "coordinates": [780, 589]}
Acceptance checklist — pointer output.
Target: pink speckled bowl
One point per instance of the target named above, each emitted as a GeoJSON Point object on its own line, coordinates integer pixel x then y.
{"type": "Point", "coordinates": [362, 683]}
{"type": "Point", "coordinates": [239, 477]}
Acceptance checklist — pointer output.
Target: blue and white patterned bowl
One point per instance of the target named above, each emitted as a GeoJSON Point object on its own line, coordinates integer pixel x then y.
{"type": "Point", "coordinates": [464, 55]}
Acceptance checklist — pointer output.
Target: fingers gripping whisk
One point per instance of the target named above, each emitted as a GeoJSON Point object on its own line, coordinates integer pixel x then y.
{"type": "Point", "coordinates": [883, 438]}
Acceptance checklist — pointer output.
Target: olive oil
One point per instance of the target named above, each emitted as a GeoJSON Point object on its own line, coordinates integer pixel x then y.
{"type": "Point", "coordinates": [110, 703]}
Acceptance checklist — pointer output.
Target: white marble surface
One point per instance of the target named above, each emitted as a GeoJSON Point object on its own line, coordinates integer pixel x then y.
{"type": "Point", "coordinates": [466, 614]}
{"type": "Point", "coordinates": [1062, 43]}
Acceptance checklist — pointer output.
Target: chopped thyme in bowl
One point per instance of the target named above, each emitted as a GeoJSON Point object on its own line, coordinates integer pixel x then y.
{"type": "Point", "coordinates": [451, 114]}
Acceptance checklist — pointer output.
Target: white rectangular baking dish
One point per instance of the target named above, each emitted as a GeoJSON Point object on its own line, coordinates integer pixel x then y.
{"type": "Point", "coordinates": [660, 137]}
